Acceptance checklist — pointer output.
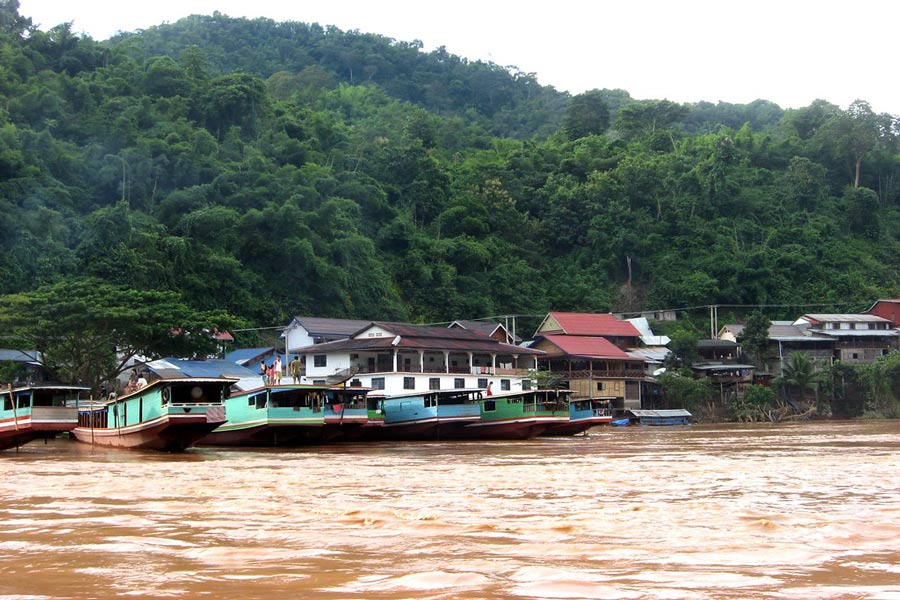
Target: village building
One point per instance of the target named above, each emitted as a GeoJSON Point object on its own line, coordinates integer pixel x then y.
{"type": "Point", "coordinates": [400, 358]}
{"type": "Point", "coordinates": [887, 309]}
{"type": "Point", "coordinates": [307, 331]}
{"type": "Point", "coordinates": [786, 338]}
{"type": "Point", "coordinates": [490, 328]}
{"type": "Point", "coordinates": [857, 338]}
{"type": "Point", "coordinates": [22, 366]}
{"type": "Point", "coordinates": [587, 352]}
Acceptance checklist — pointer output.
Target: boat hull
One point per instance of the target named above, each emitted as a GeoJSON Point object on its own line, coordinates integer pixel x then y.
{"type": "Point", "coordinates": [576, 426]}
{"type": "Point", "coordinates": [265, 434]}
{"type": "Point", "coordinates": [513, 429]}
{"type": "Point", "coordinates": [41, 423]}
{"type": "Point", "coordinates": [169, 432]}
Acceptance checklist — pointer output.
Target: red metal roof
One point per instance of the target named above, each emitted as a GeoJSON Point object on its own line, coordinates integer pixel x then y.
{"type": "Point", "coordinates": [594, 324]}
{"type": "Point", "coordinates": [589, 346]}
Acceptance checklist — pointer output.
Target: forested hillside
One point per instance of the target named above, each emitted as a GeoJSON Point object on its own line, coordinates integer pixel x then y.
{"type": "Point", "coordinates": [271, 169]}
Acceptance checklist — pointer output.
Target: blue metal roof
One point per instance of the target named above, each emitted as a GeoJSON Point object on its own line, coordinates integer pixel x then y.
{"type": "Point", "coordinates": [243, 355]}
{"type": "Point", "coordinates": [26, 356]}
{"type": "Point", "coordinates": [175, 367]}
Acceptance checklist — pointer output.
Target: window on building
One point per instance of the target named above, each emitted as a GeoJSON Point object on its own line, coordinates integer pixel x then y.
{"type": "Point", "coordinates": [377, 383]}
{"type": "Point", "coordinates": [434, 383]}
{"type": "Point", "coordinates": [504, 385]}
{"type": "Point", "coordinates": [320, 360]}
{"type": "Point", "coordinates": [409, 383]}
{"type": "Point", "coordinates": [459, 383]}
{"type": "Point", "coordinates": [526, 384]}
{"type": "Point", "coordinates": [482, 382]}
{"type": "Point", "coordinates": [600, 386]}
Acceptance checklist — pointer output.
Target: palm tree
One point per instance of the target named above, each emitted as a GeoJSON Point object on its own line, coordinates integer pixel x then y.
{"type": "Point", "coordinates": [801, 372]}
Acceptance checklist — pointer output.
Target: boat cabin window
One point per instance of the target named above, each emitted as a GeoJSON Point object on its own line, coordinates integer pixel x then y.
{"type": "Point", "coordinates": [431, 401]}
{"type": "Point", "coordinates": [7, 403]}
{"type": "Point", "coordinates": [24, 401]}
{"type": "Point", "coordinates": [490, 405]}
{"type": "Point", "coordinates": [456, 398]}
{"type": "Point", "coordinates": [258, 400]}
{"type": "Point", "coordinates": [194, 393]}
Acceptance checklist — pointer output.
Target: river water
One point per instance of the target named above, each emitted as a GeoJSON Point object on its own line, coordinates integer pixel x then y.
{"type": "Point", "coordinates": [791, 511]}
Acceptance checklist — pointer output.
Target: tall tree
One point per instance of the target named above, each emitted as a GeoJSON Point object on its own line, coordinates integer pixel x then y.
{"type": "Point", "coordinates": [86, 329]}
{"type": "Point", "coordinates": [755, 338]}
{"type": "Point", "coordinates": [587, 114]}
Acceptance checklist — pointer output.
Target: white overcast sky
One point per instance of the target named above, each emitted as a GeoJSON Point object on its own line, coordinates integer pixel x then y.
{"type": "Point", "coordinates": [788, 51]}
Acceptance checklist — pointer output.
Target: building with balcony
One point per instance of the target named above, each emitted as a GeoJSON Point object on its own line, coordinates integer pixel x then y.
{"type": "Point", "coordinates": [587, 351]}
{"type": "Point", "coordinates": [856, 338]}
{"type": "Point", "coordinates": [401, 358]}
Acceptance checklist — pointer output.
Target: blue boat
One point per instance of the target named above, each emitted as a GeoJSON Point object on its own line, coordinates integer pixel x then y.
{"type": "Point", "coordinates": [583, 414]}
{"type": "Point", "coordinates": [676, 416]}
{"type": "Point", "coordinates": [436, 414]}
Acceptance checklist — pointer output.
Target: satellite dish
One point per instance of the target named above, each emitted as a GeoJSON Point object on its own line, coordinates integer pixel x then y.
{"type": "Point", "coordinates": [339, 377]}
{"type": "Point", "coordinates": [659, 372]}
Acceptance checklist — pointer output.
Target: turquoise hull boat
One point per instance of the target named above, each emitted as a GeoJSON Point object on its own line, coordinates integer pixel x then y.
{"type": "Point", "coordinates": [30, 412]}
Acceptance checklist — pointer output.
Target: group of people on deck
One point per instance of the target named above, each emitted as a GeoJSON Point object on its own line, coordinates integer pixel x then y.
{"type": "Point", "coordinates": [271, 374]}
{"type": "Point", "coordinates": [135, 382]}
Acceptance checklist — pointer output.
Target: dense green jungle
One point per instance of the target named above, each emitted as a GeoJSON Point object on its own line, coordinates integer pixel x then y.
{"type": "Point", "coordinates": [260, 170]}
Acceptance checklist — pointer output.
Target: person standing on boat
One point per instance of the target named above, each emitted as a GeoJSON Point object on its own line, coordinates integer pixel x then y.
{"type": "Point", "coordinates": [488, 392]}
{"type": "Point", "coordinates": [270, 374]}
{"type": "Point", "coordinates": [263, 371]}
{"type": "Point", "coordinates": [295, 366]}
{"type": "Point", "coordinates": [277, 367]}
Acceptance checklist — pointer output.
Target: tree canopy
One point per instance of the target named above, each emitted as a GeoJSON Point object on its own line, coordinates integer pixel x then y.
{"type": "Point", "coordinates": [267, 170]}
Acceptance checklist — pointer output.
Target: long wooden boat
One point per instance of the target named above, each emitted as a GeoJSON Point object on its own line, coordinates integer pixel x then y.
{"type": "Point", "coordinates": [279, 415]}
{"type": "Point", "coordinates": [583, 414]}
{"type": "Point", "coordinates": [29, 412]}
{"type": "Point", "coordinates": [432, 415]}
{"type": "Point", "coordinates": [519, 415]}
{"type": "Point", "coordinates": [351, 415]}
{"type": "Point", "coordinates": [168, 414]}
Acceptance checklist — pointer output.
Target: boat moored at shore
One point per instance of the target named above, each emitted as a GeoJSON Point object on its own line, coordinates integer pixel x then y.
{"type": "Point", "coordinates": [29, 412]}
{"type": "Point", "coordinates": [177, 408]}
{"type": "Point", "coordinates": [583, 414]}
{"type": "Point", "coordinates": [437, 414]}
{"type": "Point", "coordinates": [519, 415]}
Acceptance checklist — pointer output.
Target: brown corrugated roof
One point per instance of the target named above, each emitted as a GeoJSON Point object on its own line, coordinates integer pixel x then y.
{"type": "Point", "coordinates": [331, 327]}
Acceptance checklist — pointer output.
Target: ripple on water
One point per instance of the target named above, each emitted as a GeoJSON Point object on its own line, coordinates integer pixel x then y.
{"type": "Point", "coordinates": [423, 581]}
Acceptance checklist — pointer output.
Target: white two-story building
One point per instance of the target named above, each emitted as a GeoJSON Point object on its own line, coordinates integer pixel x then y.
{"type": "Point", "coordinates": [401, 358]}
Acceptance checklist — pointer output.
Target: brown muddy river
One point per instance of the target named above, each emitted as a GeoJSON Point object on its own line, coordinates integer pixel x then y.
{"type": "Point", "coordinates": [791, 511]}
